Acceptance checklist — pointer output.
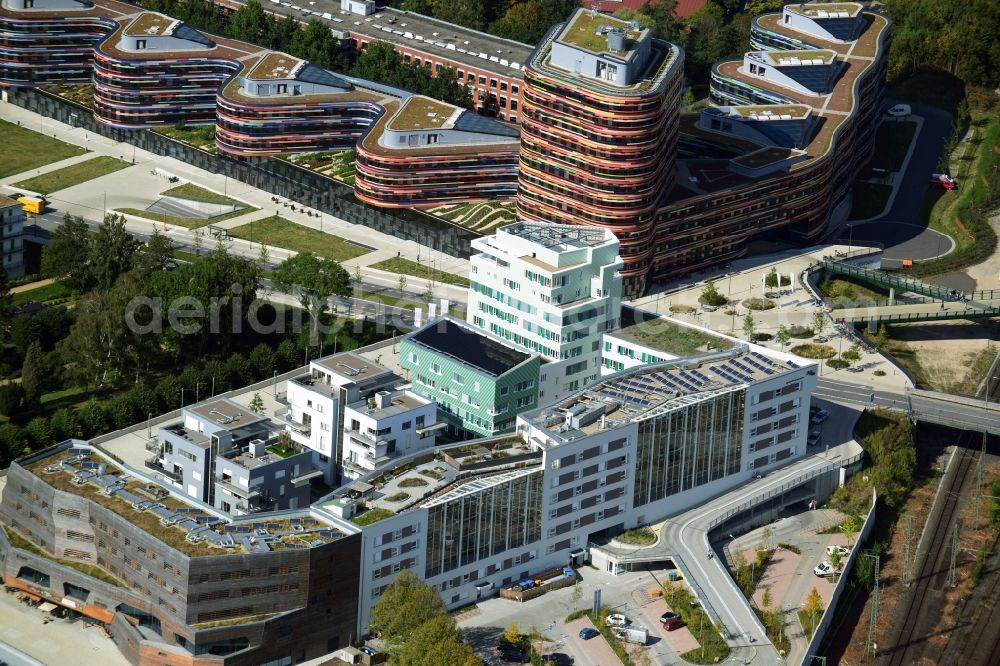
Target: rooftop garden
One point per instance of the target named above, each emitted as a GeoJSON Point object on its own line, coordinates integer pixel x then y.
{"type": "Point", "coordinates": [371, 516]}
{"type": "Point", "coordinates": [763, 157]}
{"type": "Point", "coordinates": [663, 334]}
{"type": "Point", "coordinates": [582, 32]}
{"type": "Point", "coordinates": [173, 536]}
{"type": "Point", "coordinates": [421, 113]}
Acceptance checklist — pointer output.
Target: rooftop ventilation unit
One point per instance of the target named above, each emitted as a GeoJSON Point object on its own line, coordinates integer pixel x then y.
{"type": "Point", "coordinates": [351, 371]}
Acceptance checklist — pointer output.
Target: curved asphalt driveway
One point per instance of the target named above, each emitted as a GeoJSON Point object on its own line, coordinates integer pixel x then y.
{"type": "Point", "coordinates": [687, 537]}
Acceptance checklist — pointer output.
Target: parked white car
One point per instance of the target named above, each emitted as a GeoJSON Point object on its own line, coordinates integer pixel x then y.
{"type": "Point", "coordinates": [844, 552]}
{"type": "Point", "coordinates": [899, 110]}
{"type": "Point", "coordinates": [824, 569]}
{"type": "Point", "coordinates": [616, 620]}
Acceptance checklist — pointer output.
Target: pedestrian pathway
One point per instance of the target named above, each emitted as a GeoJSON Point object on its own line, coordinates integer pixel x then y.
{"type": "Point", "coordinates": [145, 184]}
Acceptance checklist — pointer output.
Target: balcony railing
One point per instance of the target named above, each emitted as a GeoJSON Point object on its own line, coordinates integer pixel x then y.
{"type": "Point", "coordinates": [157, 466]}
{"type": "Point", "coordinates": [237, 490]}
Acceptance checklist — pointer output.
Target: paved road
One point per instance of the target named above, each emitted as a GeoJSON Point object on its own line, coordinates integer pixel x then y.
{"type": "Point", "coordinates": [934, 407]}
{"type": "Point", "coordinates": [399, 317]}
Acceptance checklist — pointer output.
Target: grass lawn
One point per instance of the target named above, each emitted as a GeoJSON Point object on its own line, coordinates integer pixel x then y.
{"type": "Point", "coordinates": [24, 149]}
{"type": "Point", "coordinates": [44, 294]}
{"type": "Point", "coordinates": [279, 232]}
{"type": "Point", "coordinates": [187, 222]}
{"type": "Point", "coordinates": [847, 294]}
{"type": "Point", "coordinates": [195, 193]}
{"type": "Point", "coordinates": [74, 174]}
{"type": "Point", "coordinates": [869, 200]}
{"type": "Point", "coordinates": [661, 333]}
{"type": "Point", "coordinates": [199, 136]}
{"type": "Point", "coordinates": [408, 267]}
{"type": "Point", "coordinates": [891, 143]}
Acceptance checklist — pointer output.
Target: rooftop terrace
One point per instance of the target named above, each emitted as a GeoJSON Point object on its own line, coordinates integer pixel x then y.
{"type": "Point", "coordinates": [423, 113]}
{"type": "Point", "coordinates": [764, 156]}
{"type": "Point", "coordinates": [669, 336]}
{"type": "Point", "coordinates": [586, 31]}
{"type": "Point", "coordinates": [772, 111]}
{"type": "Point", "coordinates": [275, 66]}
{"type": "Point", "coordinates": [190, 528]}
{"type": "Point", "coordinates": [825, 9]}
{"type": "Point", "coordinates": [151, 24]}
{"type": "Point", "coordinates": [226, 414]}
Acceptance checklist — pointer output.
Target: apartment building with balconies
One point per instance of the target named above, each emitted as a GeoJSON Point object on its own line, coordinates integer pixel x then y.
{"type": "Point", "coordinates": [314, 417]}
{"type": "Point", "coordinates": [228, 457]}
{"type": "Point", "coordinates": [388, 425]}
{"type": "Point", "coordinates": [11, 241]}
{"type": "Point", "coordinates": [552, 290]}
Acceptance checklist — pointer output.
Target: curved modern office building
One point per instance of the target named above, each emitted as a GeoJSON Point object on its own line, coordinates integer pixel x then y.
{"type": "Point", "coordinates": [157, 71]}
{"type": "Point", "coordinates": [285, 105]}
{"type": "Point", "coordinates": [51, 42]}
{"type": "Point", "coordinates": [599, 126]}
{"type": "Point", "coordinates": [423, 152]}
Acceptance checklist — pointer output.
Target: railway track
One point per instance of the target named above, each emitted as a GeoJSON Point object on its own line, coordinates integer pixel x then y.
{"type": "Point", "coordinates": [918, 622]}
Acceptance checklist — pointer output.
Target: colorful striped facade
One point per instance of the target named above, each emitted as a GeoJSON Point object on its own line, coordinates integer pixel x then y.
{"type": "Point", "coordinates": [597, 153]}
{"type": "Point", "coordinates": [470, 159]}
{"type": "Point", "coordinates": [280, 104]}
{"type": "Point", "coordinates": [591, 157]}
{"type": "Point", "coordinates": [51, 42]}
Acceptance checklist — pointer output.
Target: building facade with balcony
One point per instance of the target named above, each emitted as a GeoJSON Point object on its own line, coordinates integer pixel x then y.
{"type": "Point", "coordinates": [280, 104]}
{"type": "Point", "coordinates": [388, 425]}
{"type": "Point", "coordinates": [315, 417]}
{"type": "Point", "coordinates": [479, 381]}
{"type": "Point", "coordinates": [232, 459]}
{"type": "Point", "coordinates": [11, 241]}
{"type": "Point", "coordinates": [551, 290]}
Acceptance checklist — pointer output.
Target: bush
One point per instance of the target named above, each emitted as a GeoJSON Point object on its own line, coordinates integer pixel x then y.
{"type": "Point", "coordinates": [814, 351]}
{"type": "Point", "coordinates": [11, 400]}
{"type": "Point", "coordinates": [837, 363]}
{"type": "Point", "coordinates": [412, 482]}
{"type": "Point", "coordinates": [759, 304]}
{"type": "Point", "coordinates": [683, 309]}
{"type": "Point", "coordinates": [640, 536]}
{"type": "Point", "coordinates": [879, 373]}
{"type": "Point", "coordinates": [800, 332]}
{"type": "Point", "coordinates": [762, 337]}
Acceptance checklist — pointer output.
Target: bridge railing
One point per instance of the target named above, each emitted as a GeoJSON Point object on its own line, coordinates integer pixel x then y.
{"type": "Point", "coordinates": [968, 313]}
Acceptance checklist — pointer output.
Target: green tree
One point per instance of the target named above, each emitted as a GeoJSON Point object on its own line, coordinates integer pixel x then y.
{"type": "Point", "coordinates": [65, 423]}
{"type": "Point", "coordinates": [157, 253]}
{"type": "Point", "coordinates": [853, 354]}
{"type": "Point", "coordinates": [113, 252]}
{"type": "Point", "coordinates": [711, 296]}
{"type": "Point", "coordinates": [313, 280]}
{"type": "Point", "coordinates": [67, 257]}
{"type": "Point", "coordinates": [835, 558]}
{"type": "Point", "coordinates": [93, 419]}
{"type": "Point", "coordinates": [765, 599]}
{"type": "Point", "coordinates": [749, 326]}
{"type": "Point", "coordinates": [249, 23]}
{"type": "Point", "coordinates": [39, 433]}
{"type": "Point", "coordinates": [6, 303]}
{"type": "Point", "coordinates": [521, 22]}
{"type": "Point", "coordinates": [317, 44]}
{"type": "Point", "coordinates": [436, 641]}
{"type": "Point", "coordinates": [256, 404]}
{"type": "Point", "coordinates": [512, 633]}
{"type": "Point", "coordinates": [771, 280]}
{"type": "Point", "coordinates": [406, 604]}
{"type": "Point", "coordinates": [819, 322]}
{"type": "Point", "coordinates": [11, 400]}
{"type": "Point", "coordinates": [783, 336]}
{"type": "Point", "coordinates": [849, 527]}
{"type": "Point", "coordinates": [882, 337]}
{"type": "Point", "coordinates": [36, 375]}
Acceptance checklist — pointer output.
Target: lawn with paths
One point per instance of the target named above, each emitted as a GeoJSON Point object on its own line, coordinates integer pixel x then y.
{"type": "Point", "coordinates": [24, 149]}
{"type": "Point", "coordinates": [74, 174]}
{"type": "Point", "coordinates": [279, 232]}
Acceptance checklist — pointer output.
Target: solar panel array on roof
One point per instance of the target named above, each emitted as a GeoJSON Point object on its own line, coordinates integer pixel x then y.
{"type": "Point", "coordinates": [79, 452]}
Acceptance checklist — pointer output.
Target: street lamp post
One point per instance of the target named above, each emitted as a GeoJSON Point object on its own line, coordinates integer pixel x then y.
{"type": "Point", "coordinates": [197, 392]}
{"type": "Point", "coordinates": [149, 431]}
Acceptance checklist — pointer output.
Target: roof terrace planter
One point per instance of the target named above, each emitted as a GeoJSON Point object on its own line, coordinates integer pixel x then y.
{"type": "Point", "coordinates": [477, 456]}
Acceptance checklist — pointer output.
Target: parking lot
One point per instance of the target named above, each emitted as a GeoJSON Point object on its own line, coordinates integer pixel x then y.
{"type": "Point", "coordinates": [627, 594]}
